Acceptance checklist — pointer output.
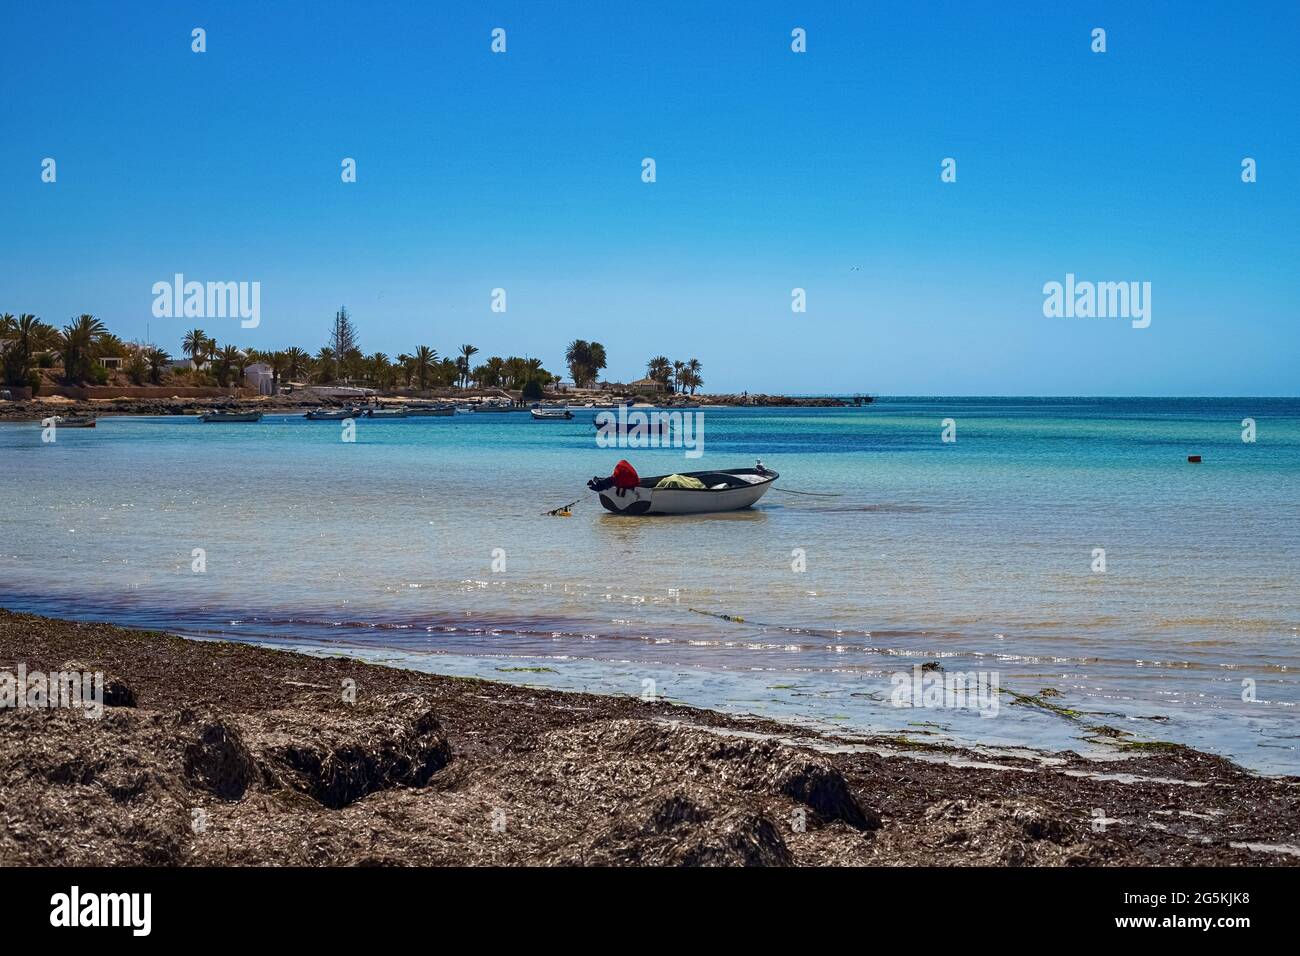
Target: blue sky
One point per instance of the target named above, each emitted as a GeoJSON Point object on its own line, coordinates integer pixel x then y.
{"type": "Point", "coordinates": [775, 170]}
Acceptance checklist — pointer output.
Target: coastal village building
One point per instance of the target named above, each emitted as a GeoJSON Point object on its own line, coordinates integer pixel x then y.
{"type": "Point", "coordinates": [258, 375]}
{"type": "Point", "coordinates": [647, 385]}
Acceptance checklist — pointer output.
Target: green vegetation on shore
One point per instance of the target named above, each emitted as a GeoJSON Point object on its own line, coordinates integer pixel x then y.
{"type": "Point", "coordinates": [86, 352]}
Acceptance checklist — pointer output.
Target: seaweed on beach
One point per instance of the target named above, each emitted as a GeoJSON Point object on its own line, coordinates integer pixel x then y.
{"type": "Point", "coordinates": [240, 755]}
{"type": "Point", "coordinates": [1040, 701]}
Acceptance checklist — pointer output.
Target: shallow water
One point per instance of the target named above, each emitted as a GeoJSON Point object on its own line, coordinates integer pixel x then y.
{"type": "Point", "coordinates": [976, 554]}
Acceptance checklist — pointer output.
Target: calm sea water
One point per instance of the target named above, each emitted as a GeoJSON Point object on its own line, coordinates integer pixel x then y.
{"type": "Point", "coordinates": [977, 554]}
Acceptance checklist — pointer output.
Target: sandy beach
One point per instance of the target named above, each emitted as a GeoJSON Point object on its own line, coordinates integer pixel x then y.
{"type": "Point", "coordinates": [214, 753]}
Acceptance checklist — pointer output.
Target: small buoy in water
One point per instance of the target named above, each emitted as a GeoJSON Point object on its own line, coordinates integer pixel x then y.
{"type": "Point", "coordinates": [1194, 459]}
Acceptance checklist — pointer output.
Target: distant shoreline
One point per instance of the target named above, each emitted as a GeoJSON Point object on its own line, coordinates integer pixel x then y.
{"type": "Point", "coordinates": [42, 407]}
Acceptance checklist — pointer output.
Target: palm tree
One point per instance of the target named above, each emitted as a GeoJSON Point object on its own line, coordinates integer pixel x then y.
{"type": "Point", "coordinates": [678, 368]}
{"type": "Point", "coordinates": [694, 380]}
{"type": "Point", "coordinates": [195, 345]}
{"type": "Point", "coordinates": [422, 364]}
{"type": "Point", "coordinates": [659, 368]}
{"type": "Point", "coordinates": [515, 372]}
{"type": "Point", "coordinates": [351, 363]}
{"type": "Point", "coordinates": [597, 360]}
{"type": "Point", "coordinates": [279, 362]}
{"type": "Point", "coordinates": [224, 364]}
{"type": "Point", "coordinates": [326, 364]}
{"type": "Point", "coordinates": [31, 335]}
{"type": "Point", "coordinates": [18, 357]}
{"type": "Point", "coordinates": [78, 341]}
{"type": "Point", "coordinates": [446, 372]}
{"type": "Point", "coordinates": [109, 345]}
{"type": "Point", "coordinates": [467, 352]}
{"type": "Point", "coordinates": [43, 336]}
{"type": "Point", "coordinates": [243, 359]}
{"type": "Point", "coordinates": [158, 360]}
{"type": "Point", "coordinates": [380, 369]}
{"type": "Point", "coordinates": [585, 360]}
{"type": "Point", "coordinates": [296, 362]}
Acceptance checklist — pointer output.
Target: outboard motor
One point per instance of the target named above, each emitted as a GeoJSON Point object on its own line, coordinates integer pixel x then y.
{"type": "Point", "coordinates": [624, 479]}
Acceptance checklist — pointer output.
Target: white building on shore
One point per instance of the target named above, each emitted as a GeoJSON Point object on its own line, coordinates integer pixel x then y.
{"type": "Point", "coordinates": [258, 375]}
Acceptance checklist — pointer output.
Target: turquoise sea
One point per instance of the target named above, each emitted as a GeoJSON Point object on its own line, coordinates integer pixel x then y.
{"type": "Point", "coordinates": [978, 554]}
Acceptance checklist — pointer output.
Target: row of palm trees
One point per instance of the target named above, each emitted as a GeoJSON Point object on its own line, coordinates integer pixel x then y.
{"type": "Point", "coordinates": [28, 342]}
{"type": "Point", "coordinates": [423, 368]}
{"type": "Point", "coordinates": [85, 339]}
{"type": "Point", "coordinates": [676, 376]}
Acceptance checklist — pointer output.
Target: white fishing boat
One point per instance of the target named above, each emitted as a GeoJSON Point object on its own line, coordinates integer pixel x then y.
{"type": "Point", "coordinates": [332, 414]}
{"type": "Point", "coordinates": [74, 421]}
{"type": "Point", "coordinates": [551, 414]}
{"type": "Point", "coordinates": [216, 417]}
{"type": "Point", "coordinates": [729, 490]}
{"type": "Point", "coordinates": [387, 413]}
{"type": "Point", "coordinates": [431, 411]}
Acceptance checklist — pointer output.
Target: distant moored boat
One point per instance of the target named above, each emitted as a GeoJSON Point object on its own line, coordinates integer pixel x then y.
{"type": "Point", "coordinates": [231, 417]}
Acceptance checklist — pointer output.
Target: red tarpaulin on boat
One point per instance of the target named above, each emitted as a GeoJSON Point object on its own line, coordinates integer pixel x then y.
{"type": "Point", "coordinates": [625, 476]}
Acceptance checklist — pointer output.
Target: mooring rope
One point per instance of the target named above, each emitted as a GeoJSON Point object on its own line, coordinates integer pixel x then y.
{"type": "Point", "coordinates": [811, 494]}
{"type": "Point", "coordinates": [564, 510]}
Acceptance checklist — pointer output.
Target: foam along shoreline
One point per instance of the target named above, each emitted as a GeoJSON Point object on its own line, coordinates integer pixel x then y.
{"type": "Point", "coordinates": [214, 753]}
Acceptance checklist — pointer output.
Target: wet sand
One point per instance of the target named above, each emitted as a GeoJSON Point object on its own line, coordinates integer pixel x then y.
{"type": "Point", "coordinates": [226, 754]}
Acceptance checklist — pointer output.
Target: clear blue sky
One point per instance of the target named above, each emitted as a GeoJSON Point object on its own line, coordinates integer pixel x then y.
{"type": "Point", "coordinates": [775, 170]}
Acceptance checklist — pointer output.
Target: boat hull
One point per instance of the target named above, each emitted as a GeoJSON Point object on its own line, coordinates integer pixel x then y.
{"type": "Point", "coordinates": [332, 416]}
{"type": "Point", "coordinates": [219, 417]}
{"type": "Point", "coordinates": [645, 499]}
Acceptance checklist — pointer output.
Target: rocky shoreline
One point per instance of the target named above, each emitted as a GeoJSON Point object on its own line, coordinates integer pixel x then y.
{"type": "Point", "coordinates": [213, 753]}
{"type": "Point", "coordinates": [37, 409]}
